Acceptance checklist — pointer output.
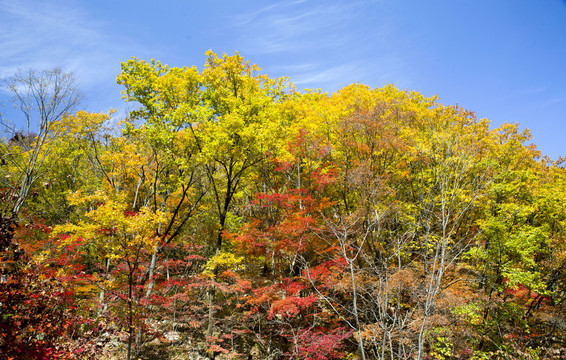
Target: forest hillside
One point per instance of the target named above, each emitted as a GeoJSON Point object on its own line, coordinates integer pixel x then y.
{"type": "Point", "coordinates": [231, 216]}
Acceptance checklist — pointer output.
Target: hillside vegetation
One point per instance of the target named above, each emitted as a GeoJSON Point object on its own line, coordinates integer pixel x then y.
{"type": "Point", "coordinates": [233, 217]}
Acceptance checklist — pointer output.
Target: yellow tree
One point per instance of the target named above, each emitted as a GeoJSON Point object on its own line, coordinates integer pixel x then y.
{"type": "Point", "coordinates": [237, 126]}
{"type": "Point", "coordinates": [412, 176]}
{"type": "Point", "coordinates": [169, 180]}
{"type": "Point", "coordinates": [519, 261]}
{"type": "Point", "coordinates": [110, 231]}
{"type": "Point", "coordinates": [225, 117]}
{"type": "Point", "coordinates": [227, 112]}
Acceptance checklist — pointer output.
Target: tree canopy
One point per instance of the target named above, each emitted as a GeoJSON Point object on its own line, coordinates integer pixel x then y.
{"type": "Point", "coordinates": [230, 216]}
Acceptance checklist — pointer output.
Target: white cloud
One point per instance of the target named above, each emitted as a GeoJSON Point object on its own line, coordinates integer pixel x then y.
{"type": "Point", "coordinates": [321, 44]}
{"type": "Point", "coordinates": [294, 26]}
{"type": "Point", "coordinates": [381, 70]}
{"type": "Point", "coordinates": [555, 100]}
{"type": "Point", "coordinates": [41, 35]}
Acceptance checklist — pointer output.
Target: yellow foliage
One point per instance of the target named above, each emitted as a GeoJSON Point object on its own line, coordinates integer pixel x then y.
{"type": "Point", "coordinates": [223, 260]}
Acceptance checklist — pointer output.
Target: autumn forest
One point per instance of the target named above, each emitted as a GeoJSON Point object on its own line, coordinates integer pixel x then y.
{"type": "Point", "coordinates": [231, 216]}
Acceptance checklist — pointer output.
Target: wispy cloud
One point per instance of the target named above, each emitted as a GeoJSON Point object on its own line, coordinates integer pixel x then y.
{"type": "Point", "coordinates": [40, 35]}
{"type": "Point", "coordinates": [540, 95]}
{"type": "Point", "coordinates": [380, 70]}
{"type": "Point", "coordinates": [526, 92]}
{"type": "Point", "coordinates": [320, 44]}
{"type": "Point", "coordinates": [317, 44]}
{"type": "Point", "coordinates": [248, 17]}
{"type": "Point", "coordinates": [560, 99]}
{"type": "Point", "coordinates": [295, 26]}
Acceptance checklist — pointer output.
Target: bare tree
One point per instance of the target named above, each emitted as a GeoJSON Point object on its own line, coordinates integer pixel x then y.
{"type": "Point", "coordinates": [43, 98]}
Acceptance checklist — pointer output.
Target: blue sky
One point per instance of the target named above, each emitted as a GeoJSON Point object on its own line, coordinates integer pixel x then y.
{"type": "Point", "coordinates": [504, 59]}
